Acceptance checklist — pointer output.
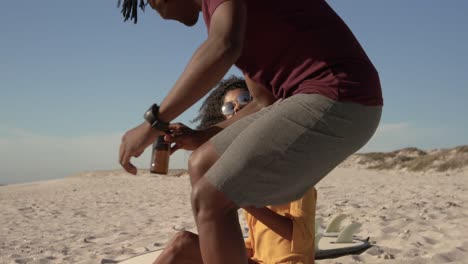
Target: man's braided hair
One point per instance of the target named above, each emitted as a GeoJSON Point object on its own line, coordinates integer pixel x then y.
{"type": "Point", "coordinates": [130, 9]}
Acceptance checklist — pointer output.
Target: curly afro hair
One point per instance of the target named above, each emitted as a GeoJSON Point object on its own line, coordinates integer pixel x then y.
{"type": "Point", "coordinates": [210, 111]}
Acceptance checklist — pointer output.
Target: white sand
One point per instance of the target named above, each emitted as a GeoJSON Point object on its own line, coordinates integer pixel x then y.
{"type": "Point", "coordinates": [412, 218]}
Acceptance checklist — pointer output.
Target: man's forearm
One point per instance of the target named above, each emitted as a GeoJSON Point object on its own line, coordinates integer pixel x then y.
{"type": "Point", "coordinates": [208, 65]}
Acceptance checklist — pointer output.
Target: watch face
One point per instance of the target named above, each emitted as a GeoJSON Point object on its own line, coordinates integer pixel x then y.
{"type": "Point", "coordinates": [152, 117]}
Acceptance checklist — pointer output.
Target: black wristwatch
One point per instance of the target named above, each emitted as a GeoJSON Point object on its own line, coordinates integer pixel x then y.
{"type": "Point", "coordinates": [151, 116]}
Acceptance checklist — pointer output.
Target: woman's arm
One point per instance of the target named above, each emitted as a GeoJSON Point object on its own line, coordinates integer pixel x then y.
{"type": "Point", "coordinates": [281, 225]}
{"type": "Point", "coordinates": [299, 223]}
{"type": "Point", "coordinates": [189, 139]}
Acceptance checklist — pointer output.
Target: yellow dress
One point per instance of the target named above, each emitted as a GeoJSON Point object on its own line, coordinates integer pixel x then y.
{"type": "Point", "coordinates": [270, 248]}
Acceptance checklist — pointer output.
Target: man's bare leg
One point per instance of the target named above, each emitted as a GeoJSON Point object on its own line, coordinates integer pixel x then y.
{"type": "Point", "coordinates": [185, 246]}
{"type": "Point", "coordinates": [220, 235]}
{"type": "Point", "coordinates": [218, 225]}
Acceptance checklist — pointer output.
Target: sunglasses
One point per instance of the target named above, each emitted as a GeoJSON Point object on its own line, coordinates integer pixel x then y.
{"type": "Point", "coordinates": [242, 100]}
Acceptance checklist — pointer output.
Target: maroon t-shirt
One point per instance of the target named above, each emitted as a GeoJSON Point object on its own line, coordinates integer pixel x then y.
{"type": "Point", "coordinates": [303, 46]}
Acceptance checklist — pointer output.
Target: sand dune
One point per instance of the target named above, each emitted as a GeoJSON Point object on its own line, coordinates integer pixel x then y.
{"type": "Point", "coordinates": [451, 160]}
{"type": "Point", "coordinates": [410, 217]}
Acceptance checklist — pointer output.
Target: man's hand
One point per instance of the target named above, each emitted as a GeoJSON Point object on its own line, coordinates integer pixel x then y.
{"type": "Point", "coordinates": [134, 143]}
{"type": "Point", "coordinates": [185, 137]}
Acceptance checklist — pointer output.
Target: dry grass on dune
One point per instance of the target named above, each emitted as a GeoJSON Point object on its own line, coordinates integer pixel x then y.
{"type": "Point", "coordinates": [412, 159]}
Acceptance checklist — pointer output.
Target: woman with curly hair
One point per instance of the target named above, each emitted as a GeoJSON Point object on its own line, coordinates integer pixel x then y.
{"type": "Point", "coordinates": [211, 111]}
{"type": "Point", "coordinates": [277, 234]}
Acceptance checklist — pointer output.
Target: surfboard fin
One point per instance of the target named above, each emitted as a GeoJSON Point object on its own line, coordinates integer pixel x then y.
{"type": "Point", "coordinates": [335, 223]}
{"type": "Point", "coordinates": [318, 236]}
{"type": "Point", "coordinates": [346, 235]}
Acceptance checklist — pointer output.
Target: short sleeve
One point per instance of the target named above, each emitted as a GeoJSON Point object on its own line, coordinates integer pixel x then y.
{"type": "Point", "coordinates": [208, 8]}
{"type": "Point", "coordinates": [213, 4]}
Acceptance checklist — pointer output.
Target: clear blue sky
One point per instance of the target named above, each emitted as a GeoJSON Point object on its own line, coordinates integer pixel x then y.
{"type": "Point", "coordinates": [74, 78]}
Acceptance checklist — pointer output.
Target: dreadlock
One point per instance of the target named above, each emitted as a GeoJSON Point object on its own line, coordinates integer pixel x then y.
{"type": "Point", "coordinates": [130, 9]}
{"type": "Point", "coordinates": [210, 111]}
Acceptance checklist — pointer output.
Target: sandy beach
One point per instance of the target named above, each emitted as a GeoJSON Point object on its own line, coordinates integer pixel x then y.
{"type": "Point", "coordinates": [410, 217]}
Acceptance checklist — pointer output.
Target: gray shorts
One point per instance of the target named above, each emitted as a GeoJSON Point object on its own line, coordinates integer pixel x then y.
{"type": "Point", "coordinates": [276, 154]}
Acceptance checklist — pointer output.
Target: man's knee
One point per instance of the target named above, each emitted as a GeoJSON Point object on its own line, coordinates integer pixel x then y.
{"type": "Point", "coordinates": [200, 161]}
{"type": "Point", "coordinates": [194, 162]}
{"type": "Point", "coordinates": [208, 202]}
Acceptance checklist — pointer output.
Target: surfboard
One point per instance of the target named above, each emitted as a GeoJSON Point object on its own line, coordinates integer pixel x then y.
{"type": "Point", "coordinates": [145, 258]}
{"type": "Point", "coordinates": [328, 248]}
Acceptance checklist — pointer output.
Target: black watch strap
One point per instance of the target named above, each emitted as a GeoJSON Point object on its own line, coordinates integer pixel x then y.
{"type": "Point", "coordinates": [151, 116]}
{"type": "Point", "coordinates": [160, 125]}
